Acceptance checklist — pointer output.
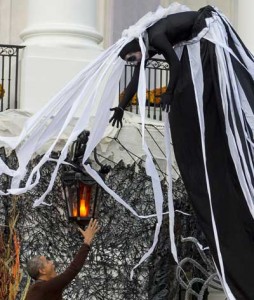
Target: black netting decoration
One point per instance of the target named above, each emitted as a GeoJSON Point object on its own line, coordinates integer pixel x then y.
{"type": "Point", "coordinates": [122, 241]}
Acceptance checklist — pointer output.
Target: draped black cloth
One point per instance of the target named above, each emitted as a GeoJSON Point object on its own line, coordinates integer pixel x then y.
{"type": "Point", "coordinates": [232, 215]}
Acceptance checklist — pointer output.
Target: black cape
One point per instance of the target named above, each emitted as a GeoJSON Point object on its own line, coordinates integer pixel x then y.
{"type": "Point", "coordinates": [234, 222]}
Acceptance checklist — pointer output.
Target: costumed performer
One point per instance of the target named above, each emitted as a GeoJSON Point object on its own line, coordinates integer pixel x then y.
{"type": "Point", "coordinates": [211, 98]}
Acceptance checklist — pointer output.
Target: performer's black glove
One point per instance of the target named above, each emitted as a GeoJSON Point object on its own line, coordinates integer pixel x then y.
{"type": "Point", "coordinates": [166, 100]}
{"type": "Point", "coordinates": [117, 116]}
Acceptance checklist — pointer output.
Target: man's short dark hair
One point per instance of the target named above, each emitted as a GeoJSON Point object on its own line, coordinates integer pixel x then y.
{"type": "Point", "coordinates": [33, 267]}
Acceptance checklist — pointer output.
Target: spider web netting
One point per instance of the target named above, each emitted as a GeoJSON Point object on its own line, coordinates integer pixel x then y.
{"type": "Point", "coordinates": [122, 240]}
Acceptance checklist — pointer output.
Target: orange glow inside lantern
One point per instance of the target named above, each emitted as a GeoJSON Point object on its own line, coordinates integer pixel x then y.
{"type": "Point", "coordinates": [74, 212]}
{"type": "Point", "coordinates": [84, 198]}
{"type": "Point", "coordinates": [81, 193]}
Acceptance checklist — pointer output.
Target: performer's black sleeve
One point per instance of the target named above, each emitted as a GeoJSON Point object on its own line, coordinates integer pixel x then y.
{"type": "Point", "coordinates": [167, 32]}
{"type": "Point", "coordinates": [131, 89]}
{"type": "Point", "coordinates": [163, 35]}
{"type": "Point", "coordinates": [161, 43]}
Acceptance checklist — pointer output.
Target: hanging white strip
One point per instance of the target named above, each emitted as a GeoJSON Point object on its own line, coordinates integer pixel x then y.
{"type": "Point", "coordinates": [113, 71]}
{"type": "Point", "coordinates": [150, 167]}
{"type": "Point", "coordinates": [236, 96]}
{"type": "Point", "coordinates": [250, 68]}
{"type": "Point", "coordinates": [60, 99]}
{"type": "Point", "coordinates": [81, 88]}
{"type": "Point", "coordinates": [71, 112]}
{"type": "Point", "coordinates": [247, 60]}
{"type": "Point", "coordinates": [231, 139]}
{"type": "Point", "coordinates": [248, 112]}
{"type": "Point", "coordinates": [171, 209]}
{"type": "Point", "coordinates": [43, 118]}
{"type": "Point", "coordinates": [216, 36]}
{"type": "Point", "coordinates": [103, 112]}
{"type": "Point", "coordinates": [215, 24]}
{"type": "Point", "coordinates": [198, 82]}
{"type": "Point", "coordinates": [97, 177]}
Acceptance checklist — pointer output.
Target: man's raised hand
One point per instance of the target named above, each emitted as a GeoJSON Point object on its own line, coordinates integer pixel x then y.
{"type": "Point", "coordinates": [90, 231]}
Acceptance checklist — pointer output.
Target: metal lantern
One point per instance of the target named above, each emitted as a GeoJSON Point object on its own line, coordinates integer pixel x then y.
{"type": "Point", "coordinates": [81, 194]}
{"type": "Point", "coordinates": [81, 191]}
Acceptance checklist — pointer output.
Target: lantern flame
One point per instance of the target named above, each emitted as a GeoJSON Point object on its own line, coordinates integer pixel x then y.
{"type": "Point", "coordinates": [84, 208]}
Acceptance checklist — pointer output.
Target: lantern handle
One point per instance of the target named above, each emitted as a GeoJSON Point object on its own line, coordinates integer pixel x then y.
{"type": "Point", "coordinates": [79, 146]}
{"type": "Point", "coordinates": [105, 169]}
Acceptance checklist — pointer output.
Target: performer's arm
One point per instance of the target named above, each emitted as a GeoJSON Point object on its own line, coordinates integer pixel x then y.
{"type": "Point", "coordinates": [131, 89]}
{"type": "Point", "coordinates": [162, 44]}
{"type": "Point", "coordinates": [166, 33]}
{"type": "Point", "coordinates": [129, 92]}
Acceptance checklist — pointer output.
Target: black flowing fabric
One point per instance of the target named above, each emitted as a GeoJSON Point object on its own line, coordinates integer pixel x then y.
{"type": "Point", "coordinates": [233, 219]}
{"type": "Point", "coordinates": [211, 93]}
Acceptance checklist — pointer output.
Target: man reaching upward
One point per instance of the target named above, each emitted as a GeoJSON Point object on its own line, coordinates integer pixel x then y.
{"type": "Point", "coordinates": [48, 284]}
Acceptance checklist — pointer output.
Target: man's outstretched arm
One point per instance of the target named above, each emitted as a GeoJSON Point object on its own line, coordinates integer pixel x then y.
{"type": "Point", "coordinates": [62, 280]}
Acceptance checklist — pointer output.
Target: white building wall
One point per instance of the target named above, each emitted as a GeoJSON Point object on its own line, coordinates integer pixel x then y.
{"type": "Point", "coordinates": [13, 15]}
{"type": "Point", "coordinates": [228, 7]}
{"type": "Point", "coordinates": [60, 41]}
{"type": "Point", "coordinates": [245, 22]}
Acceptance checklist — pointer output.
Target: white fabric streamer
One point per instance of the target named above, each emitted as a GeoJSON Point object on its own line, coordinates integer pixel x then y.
{"type": "Point", "coordinates": [170, 196]}
{"type": "Point", "coordinates": [97, 83]}
{"type": "Point", "coordinates": [197, 77]}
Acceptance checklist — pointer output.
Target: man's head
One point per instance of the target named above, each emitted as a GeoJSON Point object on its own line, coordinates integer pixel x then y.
{"type": "Point", "coordinates": [131, 52]}
{"type": "Point", "coordinates": [39, 267]}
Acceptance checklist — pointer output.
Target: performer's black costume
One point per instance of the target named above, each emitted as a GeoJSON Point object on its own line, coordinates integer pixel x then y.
{"type": "Point", "coordinates": [233, 219]}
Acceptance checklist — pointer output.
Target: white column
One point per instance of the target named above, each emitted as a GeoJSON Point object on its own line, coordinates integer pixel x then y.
{"type": "Point", "coordinates": [60, 38]}
{"type": "Point", "coordinates": [245, 22]}
{"type": "Point", "coordinates": [70, 23]}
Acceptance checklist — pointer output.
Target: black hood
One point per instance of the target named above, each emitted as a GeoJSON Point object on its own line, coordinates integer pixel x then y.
{"type": "Point", "coordinates": [132, 46]}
